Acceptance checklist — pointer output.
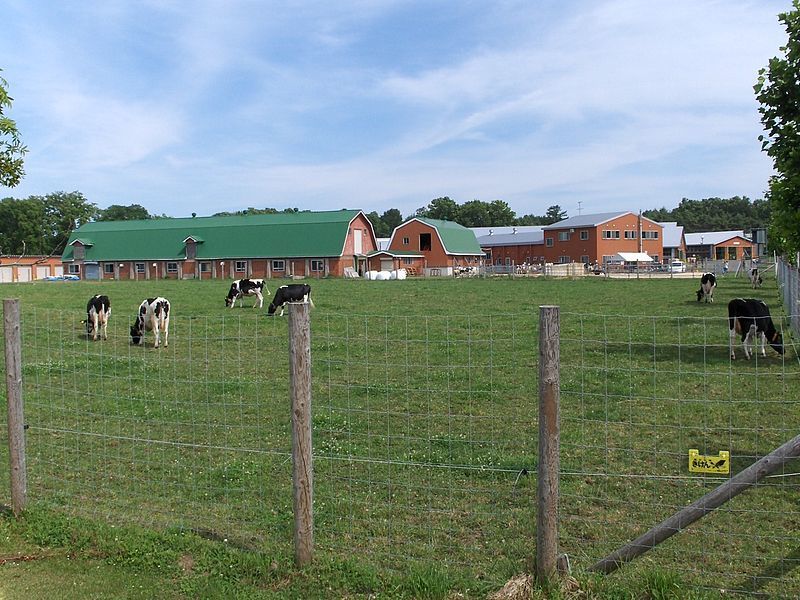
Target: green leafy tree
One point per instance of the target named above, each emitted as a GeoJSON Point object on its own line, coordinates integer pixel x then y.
{"type": "Point", "coordinates": [117, 212]}
{"type": "Point", "coordinates": [21, 227]}
{"type": "Point", "coordinates": [715, 214]}
{"type": "Point", "coordinates": [381, 229]}
{"type": "Point", "coordinates": [555, 214]}
{"type": "Point", "coordinates": [500, 214]}
{"type": "Point", "coordinates": [42, 224]}
{"type": "Point", "coordinates": [12, 150]}
{"type": "Point", "coordinates": [392, 218]}
{"type": "Point", "coordinates": [443, 208]}
{"type": "Point", "coordinates": [474, 214]}
{"type": "Point", "coordinates": [778, 92]}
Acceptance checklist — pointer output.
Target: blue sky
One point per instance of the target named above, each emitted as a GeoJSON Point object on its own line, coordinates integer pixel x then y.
{"type": "Point", "coordinates": [208, 106]}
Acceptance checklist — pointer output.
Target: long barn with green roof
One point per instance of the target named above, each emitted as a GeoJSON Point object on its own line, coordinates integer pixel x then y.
{"type": "Point", "coordinates": [301, 244]}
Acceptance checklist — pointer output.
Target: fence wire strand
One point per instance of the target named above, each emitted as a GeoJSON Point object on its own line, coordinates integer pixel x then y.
{"type": "Point", "coordinates": [425, 437]}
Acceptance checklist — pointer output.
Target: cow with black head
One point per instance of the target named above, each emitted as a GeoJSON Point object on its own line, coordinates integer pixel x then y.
{"type": "Point", "coordinates": [295, 292]}
{"type": "Point", "coordinates": [246, 287]}
{"type": "Point", "coordinates": [707, 284]}
{"type": "Point", "coordinates": [98, 311]}
{"type": "Point", "coordinates": [153, 316]}
{"type": "Point", "coordinates": [750, 318]}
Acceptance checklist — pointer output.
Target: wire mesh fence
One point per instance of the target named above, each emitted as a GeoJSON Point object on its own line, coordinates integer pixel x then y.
{"type": "Point", "coordinates": [425, 438]}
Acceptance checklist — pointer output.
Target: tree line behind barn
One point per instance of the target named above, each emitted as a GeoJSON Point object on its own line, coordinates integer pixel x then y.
{"type": "Point", "coordinates": [154, 313]}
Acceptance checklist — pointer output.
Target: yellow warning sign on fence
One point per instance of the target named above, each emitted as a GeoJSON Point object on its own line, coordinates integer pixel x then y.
{"type": "Point", "coordinates": [700, 463]}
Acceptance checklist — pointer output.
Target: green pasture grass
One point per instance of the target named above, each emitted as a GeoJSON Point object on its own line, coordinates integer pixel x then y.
{"type": "Point", "coordinates": [425, 429]}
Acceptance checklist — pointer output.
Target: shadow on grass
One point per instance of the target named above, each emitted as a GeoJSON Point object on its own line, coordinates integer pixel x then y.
{"type": "Point", "coordinates": [772, 572]}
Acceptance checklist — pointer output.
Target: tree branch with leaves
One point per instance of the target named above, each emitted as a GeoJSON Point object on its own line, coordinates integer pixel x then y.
{"type": "Point", "coordinates": [12, 149]}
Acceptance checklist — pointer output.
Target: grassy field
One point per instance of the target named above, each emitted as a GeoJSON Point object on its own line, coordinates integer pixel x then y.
{"type": "Point", "coordinates": [175, 463]}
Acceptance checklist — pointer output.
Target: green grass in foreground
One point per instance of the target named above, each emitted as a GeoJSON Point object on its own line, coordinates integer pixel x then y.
{"type": "Point", "coordinates": [424, 412]}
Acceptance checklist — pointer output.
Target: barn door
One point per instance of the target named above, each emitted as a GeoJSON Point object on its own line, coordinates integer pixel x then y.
{"type": "Point", "coordinates": [91, 271]}
{"type": "Point", "coordinates": [358, 245]}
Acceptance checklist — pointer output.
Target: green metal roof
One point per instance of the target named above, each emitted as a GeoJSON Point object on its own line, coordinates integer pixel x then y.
{"type": "Point", "coordinates": [456, 238]}
{"type": "Point", "coordinates": [280, 235]}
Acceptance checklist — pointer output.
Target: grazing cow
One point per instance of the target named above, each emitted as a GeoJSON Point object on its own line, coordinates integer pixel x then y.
{"type": "Point", "coordinates": [751, 319]}
{"type": "Point", "coordinates": [707, 284]}
{"type": "Point", "coordinates": [295, 292]}
{"type": "Point", "coordinates": [246, 287]}
{"type": "Point", "coordinates": [755, 278]}
{"type": "Point", "coordinates": [153, 316]}
{"type": "Point", "coordinates": [98, 310]}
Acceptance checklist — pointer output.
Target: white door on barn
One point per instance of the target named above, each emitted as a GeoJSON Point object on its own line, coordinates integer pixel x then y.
{"type": "Point", "coordinates": [42, 272]}
{"type": "Point", "coordinates": [5, 274]}
{"type": "Point", "coordinates": [23, 273]}
{"type": "Point", "coordinates": [59, 270]}
{"type": "Point", "coordinates": [358, 242]}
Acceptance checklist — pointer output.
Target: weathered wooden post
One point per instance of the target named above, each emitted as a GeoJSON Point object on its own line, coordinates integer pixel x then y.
{"type": "Point", "coordinates": [302, 468]}
{"type": "Point", "coordinates": [549, 428]}
{"type": "Point", "coordinates": [16, 417]}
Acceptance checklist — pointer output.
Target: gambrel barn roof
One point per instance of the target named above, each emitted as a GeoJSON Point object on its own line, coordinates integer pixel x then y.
{"type": "Point", "coordinates": [283, 235]}
{"type": "Point", "coordinates": [455, 238]}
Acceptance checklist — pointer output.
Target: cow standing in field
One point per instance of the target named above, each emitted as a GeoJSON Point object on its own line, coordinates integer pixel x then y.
{"type": "Point", "coordinates": [153, 316]}
{"type": "Point", "coordinates": [755, 278]}
{"type": "Point", "coordinates": [750, 318]}
{"type": "Point", "coordinates": [295, 292]}
{"type": "Point", "coordinates": [98, 310]}
{"type": "Point", "coordinates": [707, 284]}
{"type": "Point", "coordinates": [246, 287]}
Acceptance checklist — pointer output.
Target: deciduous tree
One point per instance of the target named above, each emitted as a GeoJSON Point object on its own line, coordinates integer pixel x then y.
{"type": "Point", "coordinates": [12, 149]}
{"type": "Point", "coordinates": [778, 91]}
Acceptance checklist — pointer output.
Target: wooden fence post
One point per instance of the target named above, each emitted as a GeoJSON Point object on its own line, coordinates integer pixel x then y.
{"type": "Point", "coordinates": [302, 468]}
{"type": "Point", "coordinates": [548, 470]}
{"type": "Point", "coordinates": [16, 417]}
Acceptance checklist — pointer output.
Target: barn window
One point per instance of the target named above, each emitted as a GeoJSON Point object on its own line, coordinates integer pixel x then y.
{"type": "Point", "coordinates": [140, 267]}
{"type": "Point", "coordinates": [79, 252]}
{"type": "Point", "coordinates": [585, 259]}
{"type": "Point", "coordinates": [108, 268]}
{"type": "Point", "coordinates": [424, 241]}
{"type": "Point", "coordinates": [731, 253]}
{"type": "Point", "coordinates": [74, 269]}
{"type": "Point", "coordinates": [564, 259]}
{"type": "Point", "coordinates": [278, 265]}
{"type": "Point", "coordinates": [241, 266]}
{"type": "Point", "coordinates": [611, 234]}
{"type": "Point", "coordinates": [317, 266]}
{"type": "Point", "coordinates": [631, 234]}
{"type": "Point", "coordinates": [172, 267]}
{"type": "Point", "coordinates": [205, 267]}
{"type": "Point", "coordinates": [508, 261]}
{"type": "Point", "coordinates": [548, 242]}
{"type": "Point", "coordinates": [406, 241]}
{"type": "Point", "coordinates": [650, 235]}
{"type": "Point", "coordinates": [584, 235]}
{"type": "Point", "coordinates": [408, 261]}
{"type": "Point", "coordinates": [563, 236]}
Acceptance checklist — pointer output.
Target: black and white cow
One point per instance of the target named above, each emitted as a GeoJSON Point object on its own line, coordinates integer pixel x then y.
{"type": "Point", "coordinates": [755, 278]}
{"type": "Point", "coordinates": [153, 316]}
{"type": "Point", "coordinates": [98, 310]}
{"type": "Point", "coordinates": [751, 319]}
{"type": "Point", "coordinates": [295, 292]}
{"type": "Point", "coordinates": [707, 284]}
{"type": "Point", "coordinates": [246, 287]}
